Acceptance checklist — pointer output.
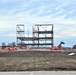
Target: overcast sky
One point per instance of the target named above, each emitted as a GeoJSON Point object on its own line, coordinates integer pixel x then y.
{"type": "Point", "coordinates": [61, 13]}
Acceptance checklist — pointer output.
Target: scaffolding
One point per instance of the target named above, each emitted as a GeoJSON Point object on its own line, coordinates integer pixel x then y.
{"type": "Point", "coordinates": [42, 36]}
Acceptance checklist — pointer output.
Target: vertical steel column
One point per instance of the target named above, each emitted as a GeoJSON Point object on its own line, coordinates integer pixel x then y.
{"type": "Point", "coordinates": [52, 35]}
{"type": "Point", "coordinates": [33, 35]}
{"type": "Point", "coordinates": [38, 36]}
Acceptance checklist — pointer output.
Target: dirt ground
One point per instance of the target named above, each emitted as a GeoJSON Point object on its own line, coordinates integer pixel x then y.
{"type": "Point", "coordinates": [37, 61]}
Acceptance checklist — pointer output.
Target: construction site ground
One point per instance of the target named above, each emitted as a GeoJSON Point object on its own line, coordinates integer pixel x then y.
{"type": "Point", "coordinates": [37, 61]}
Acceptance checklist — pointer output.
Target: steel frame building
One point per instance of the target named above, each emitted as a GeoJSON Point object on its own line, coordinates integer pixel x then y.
{"type": "Point", "coordinates": [42, 36]}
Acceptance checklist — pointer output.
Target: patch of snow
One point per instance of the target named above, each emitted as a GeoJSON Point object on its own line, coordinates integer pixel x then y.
{"type": "Point", "coordinates": [71, 54]}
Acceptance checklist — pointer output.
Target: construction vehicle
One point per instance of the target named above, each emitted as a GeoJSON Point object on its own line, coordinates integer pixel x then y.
{"type": "Point", "coordinates": [59, 47]}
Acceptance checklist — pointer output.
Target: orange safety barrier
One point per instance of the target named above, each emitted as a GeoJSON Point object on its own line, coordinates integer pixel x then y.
{"type": "Point", "coordinates": [56, 48]}
{"type": "Point", "coordinates": [11, 49]}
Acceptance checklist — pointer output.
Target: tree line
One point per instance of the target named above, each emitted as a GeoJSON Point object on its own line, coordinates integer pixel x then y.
{"type": "Point", "coordinates": [13, 44]}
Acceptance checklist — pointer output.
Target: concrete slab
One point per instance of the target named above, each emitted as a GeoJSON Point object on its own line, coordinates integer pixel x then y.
{"type": "Point", "coordinates": [40, 73]}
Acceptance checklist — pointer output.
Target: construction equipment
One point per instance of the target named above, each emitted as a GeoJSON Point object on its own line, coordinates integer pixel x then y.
{"type": "Point", "coordinates": [59, 47]}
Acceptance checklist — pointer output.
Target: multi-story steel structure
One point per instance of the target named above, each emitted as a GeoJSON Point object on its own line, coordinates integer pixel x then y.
{"type": "Point", "coordinates": [42, 36]}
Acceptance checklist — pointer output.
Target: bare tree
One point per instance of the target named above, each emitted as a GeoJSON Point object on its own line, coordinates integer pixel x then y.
{"type": "Point", "coordinates": [3, 45]}
{"type": "Point", "coordinates": [13, 44]}
{"type": "Point", "coordinates": [74, 47]}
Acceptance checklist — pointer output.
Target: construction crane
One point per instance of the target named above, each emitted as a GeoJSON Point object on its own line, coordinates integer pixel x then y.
{"type": "Point", "coordinates": [59, 47]}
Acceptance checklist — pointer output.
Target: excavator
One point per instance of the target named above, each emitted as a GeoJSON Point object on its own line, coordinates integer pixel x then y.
{"type": "Point", "coordinates": [59, 47]}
